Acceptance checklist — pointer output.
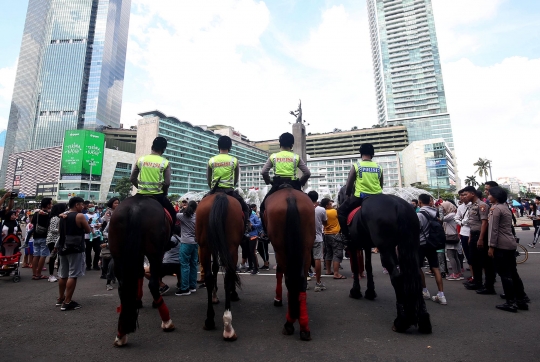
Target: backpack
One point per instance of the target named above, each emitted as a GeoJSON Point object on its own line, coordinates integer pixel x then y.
{"type": "Point", "coordinates": [436, 237]}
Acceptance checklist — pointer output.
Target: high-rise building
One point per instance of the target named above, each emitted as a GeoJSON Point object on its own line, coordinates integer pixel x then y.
{"type": "Point", "coordinates": [70, 73]}
{"type": "Point", "coordinates": [407, 67]}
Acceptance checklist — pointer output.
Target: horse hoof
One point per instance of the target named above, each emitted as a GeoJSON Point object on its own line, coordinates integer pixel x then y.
{"type": "Point", "coordinates": [139, 304]}
{"type": "Point", "coordinates": [209, 326]}
{"type": "Point", "coordinates": [399, 326]}
{"type": "Point", "coordinates": [305, 335]}
{"type": "Point", "coordinates": [288, 329]}
{"type": "Point", "coordinates": [120, 342]}
{"type": "Point", "coordinates": [424, 324]}
{"type": "Point", "coordinates": [235, 298]}
{"type": "Point", "coordinates": [278, 303]}
{"type": "Point", "coordinates": [370, 294]}
{"type": "Point", "coordinates": [355, 294]}
{"type": "Point", "coordinates": [230, 339]}
{"type": "Point", "coordinates": [167, 326]}
{"type": "Point", "coordinates": [215, 301]}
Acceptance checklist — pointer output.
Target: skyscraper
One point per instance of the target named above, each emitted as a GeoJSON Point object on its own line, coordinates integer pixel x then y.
{"type": "Point", "coordinates": [70, 73]}
{"type": "Point", "coordinates": [407, 67]}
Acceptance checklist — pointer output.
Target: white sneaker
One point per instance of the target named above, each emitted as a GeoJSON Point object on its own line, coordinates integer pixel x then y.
{"type": "Point", "coordinates": [193, 290]}
{"type": "Point", "coordinates": [319, 287]}
{"type": "Point", "coordinates": [441, 300]}
{"type": "Point", "coordinates": [426, 294]}
{"type": "Point", "coordinates": [52, 279]}
{"type": "Point", "coordinates": [109, 287]}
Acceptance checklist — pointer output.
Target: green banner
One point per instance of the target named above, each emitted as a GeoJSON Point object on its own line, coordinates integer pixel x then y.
{"type": "Point", "coordinates": [82, 152]}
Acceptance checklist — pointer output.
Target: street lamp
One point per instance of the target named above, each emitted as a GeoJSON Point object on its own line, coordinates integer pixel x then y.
{"type": "Point", "coordinates": [91, 163]}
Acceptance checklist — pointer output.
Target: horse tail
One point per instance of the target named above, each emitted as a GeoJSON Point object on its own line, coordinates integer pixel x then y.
{"type": "Point", "coordinates": [408, 261]}
{"type": "Point", "coordinates": [130, 265]}
{"type": "Point", "coordinates": [295, 262]}
{"type": "Point", "coordinates": [217, 240]}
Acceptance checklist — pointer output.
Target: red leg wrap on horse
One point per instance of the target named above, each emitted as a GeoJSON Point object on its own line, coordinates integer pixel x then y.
{"type": "Point", "coordinates": [139, 289]}
{"type": "Point", "coordinates": [304, 318]}
{"type": "Point", "coordinates": [163, 310]}
{"type": "Point", "coordinates": [279, 286]}
{"type": "Point", "coordinates": [289, 319]}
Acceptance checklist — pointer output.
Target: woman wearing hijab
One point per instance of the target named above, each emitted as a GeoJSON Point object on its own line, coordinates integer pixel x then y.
{"type": "Point", "coordinates": [452, 239]}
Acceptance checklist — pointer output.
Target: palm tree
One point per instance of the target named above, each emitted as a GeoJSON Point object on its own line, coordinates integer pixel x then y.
{"type": "Point", "coordinates": [483, 165]}
{"type": "Point", "coordinates": [471, 181]}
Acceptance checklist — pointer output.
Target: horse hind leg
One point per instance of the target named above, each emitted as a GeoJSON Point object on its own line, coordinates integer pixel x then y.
{"type": "Point", "coordinates": [209, 323]}
{"type": "Point", "coordinates": [229, 334]}
{"type": "Point", "coordinates": [424, 321]}
{"type": "Point", "coordinates": [303, 320]}
{"type": "Point", "coordinates": [278, 300]}
{"type": "Point", "coordinates": [166, 321]}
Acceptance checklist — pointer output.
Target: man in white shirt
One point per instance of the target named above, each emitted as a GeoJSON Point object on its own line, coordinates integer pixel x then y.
{"type": "Point", "coordinates": [320, 222]}
{"type": "Point", "coordinates": [462, 219]}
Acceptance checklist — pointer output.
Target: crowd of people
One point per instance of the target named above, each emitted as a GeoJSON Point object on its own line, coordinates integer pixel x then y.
{"type": "Point", "coordinates": [479, 229]}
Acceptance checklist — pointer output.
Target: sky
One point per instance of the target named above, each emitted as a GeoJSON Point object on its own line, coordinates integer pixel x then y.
{"type": "Point", "coordinates": [246, 63]}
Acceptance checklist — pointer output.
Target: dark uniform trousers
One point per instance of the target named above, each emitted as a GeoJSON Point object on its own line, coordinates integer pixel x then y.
{"type": "Point", "coordinates": [166, 203]}
{"type": "Point", "coordinates": [505, 264]}
{"type": "Point", "coordinates": [350, 203]}
{"type": "Point", "coordinates": [481, 260]}
{"type": "Point", "coordinates": [276, 183]}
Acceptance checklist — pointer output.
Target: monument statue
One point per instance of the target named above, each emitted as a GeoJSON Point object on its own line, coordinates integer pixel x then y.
{"type": "Point", "coordinates": [298, 112]}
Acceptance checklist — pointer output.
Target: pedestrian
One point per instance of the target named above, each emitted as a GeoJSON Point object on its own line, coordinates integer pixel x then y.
{"type": "Point", "coordinates": [92, 245]}
{"type": "Point", "coordinates": [71, 248]}
{"type": "Point", "coordinates": [41, 221]}
{"type": "Point", "coordinates": [427, 214]}
{"type": "Point", "coordinates": [478, 248]}
{"type": "Point", "coordinates": [534, 215]}
{"type": "Point", "coordinates": [320, 222]}
{"type": "Point", "coordinates": [262, 245]}
{"type": "Point", "coordinates": [414, 203]}
{"type": "Point", "coordinates": [188, 250]}
{"type": "Point", "coordinates": [502, 248]}
{"type": "Point", "coordinates": [52, 237]}
{"type": "Point", "coordinates": [334, 247]}
{"type": "Point", "coordinates": [170, 264]}
{"type": "Point", "coordinates": [452, 244]}
{"type": "Point", "coordinates": [253, 236]}
{"type": "Point", "coordinates": [462, 219]}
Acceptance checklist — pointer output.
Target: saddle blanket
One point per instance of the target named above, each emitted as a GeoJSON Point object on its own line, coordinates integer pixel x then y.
{"type": "Point", "coordinates": [351, 215]}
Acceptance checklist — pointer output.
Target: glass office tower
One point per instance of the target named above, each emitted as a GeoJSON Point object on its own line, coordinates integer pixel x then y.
{"type": "Point", "coordinates": [408, 77]}
{"type": "Point", "coordinates": [70, 73]}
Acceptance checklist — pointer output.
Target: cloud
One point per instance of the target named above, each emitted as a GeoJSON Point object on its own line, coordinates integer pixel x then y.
{"type": "Point", "coordinates": [206, 64]}
{"type": "Point", "coordinates": [493, 110]}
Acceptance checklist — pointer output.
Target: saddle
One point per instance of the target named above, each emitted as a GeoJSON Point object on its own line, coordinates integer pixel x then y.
{"type": "Point", "coordinates": [350, 217]}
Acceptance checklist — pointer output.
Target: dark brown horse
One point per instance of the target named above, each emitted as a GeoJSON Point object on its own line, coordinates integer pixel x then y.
{"type": "Point", "coordinates": [138, 227]}
{"type": "Point", "coordinates": [290, 221]}
{"type": "Point", "coordinates": [219, 228]}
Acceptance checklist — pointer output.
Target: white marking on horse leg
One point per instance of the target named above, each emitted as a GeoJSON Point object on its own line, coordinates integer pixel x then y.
{"type": "Point", "coordinates": [228, 330]}
{"type": "Point", "coordinates": [120, 342]}
{"type": "Point", "coordinates": [167, 326]}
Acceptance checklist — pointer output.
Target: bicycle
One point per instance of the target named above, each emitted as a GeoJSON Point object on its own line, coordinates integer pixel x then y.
{"type": "Point", "coordinates": [522, 254]}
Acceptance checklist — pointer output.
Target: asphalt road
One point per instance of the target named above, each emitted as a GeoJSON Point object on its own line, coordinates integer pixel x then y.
{"type": "Point", "coordinates": [469, 328]}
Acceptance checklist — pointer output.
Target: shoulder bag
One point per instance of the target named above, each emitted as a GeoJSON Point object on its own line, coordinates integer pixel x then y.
{"type": "Point", "coordinates": [72, 243]}
{"type": "Point", "coordinates": [40, 229]}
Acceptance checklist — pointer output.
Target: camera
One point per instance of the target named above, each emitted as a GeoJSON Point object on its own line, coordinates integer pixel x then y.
{"type": "Point", "coordinates": [13, 195]}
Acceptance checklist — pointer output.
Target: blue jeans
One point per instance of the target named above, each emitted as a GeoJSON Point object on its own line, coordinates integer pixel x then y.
{"type": "Point", "coordinates": [188, 265]}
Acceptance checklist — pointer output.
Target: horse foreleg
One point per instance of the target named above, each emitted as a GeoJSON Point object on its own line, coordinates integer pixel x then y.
{"type": "Point", "coordinates": [166, 321]}
{"type": "Point", "coordinates": [278, 300]}
{"type": "Point", "coordinates": [370, 291]}
{"type": "Point", "coordinates": [355, 292]}
{"type": "Point", "coordinates": [228, 330]}
{"type": "Point", "coordinates": [401, 323]}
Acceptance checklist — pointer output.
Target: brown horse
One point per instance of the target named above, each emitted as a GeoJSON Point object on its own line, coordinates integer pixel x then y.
{"type": "Point", "coordinates": [290, 221]}
{"type": "Point", "coordinates": [219, 228]}
{"type": "Point", "coordinates": [137, 228]}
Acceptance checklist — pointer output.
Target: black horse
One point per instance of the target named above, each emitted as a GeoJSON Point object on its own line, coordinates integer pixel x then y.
{"type": "Point", "coordinates": [138, 227]}
{"type": "Point", "coordinates": [391, 225]}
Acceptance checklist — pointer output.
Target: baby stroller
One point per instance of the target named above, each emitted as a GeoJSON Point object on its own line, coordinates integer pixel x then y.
{"type": "Point", "coordinates": [10, 257]}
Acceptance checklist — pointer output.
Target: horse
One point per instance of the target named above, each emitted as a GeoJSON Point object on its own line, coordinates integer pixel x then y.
{"type": "Point", "coordinates": [290, 221]}
{"type": "Point", "coordinates": [219, 229]}
{"type": "Point", "coordinates": [389, 224]}
{"type": "Point", "coordinates": [138, 227]}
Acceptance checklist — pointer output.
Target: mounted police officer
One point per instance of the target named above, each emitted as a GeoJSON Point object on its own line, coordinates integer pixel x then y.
{"type": "Point", "coordinates": [284, 163]}
{"type": "Point", "coordinates": [365, 178]}
{"type": "Point", "coordinates": [222, 174]}
{"type": "Point", "coordinates": [152, 176]}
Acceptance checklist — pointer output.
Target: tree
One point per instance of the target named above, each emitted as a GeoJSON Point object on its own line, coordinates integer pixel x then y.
{"type": "Point", "coordinates": [354, 128]}
{"type": "Point", "coordinates": [173, 197]}
{"type": "Point", "coordinates": [471, 181]}
{"type": "Point", "coordinates": [123, 188]}
{"type": "Point", "coordinates": [483, 165]}
{"type": "Point", "coordinates": [337, 130]}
